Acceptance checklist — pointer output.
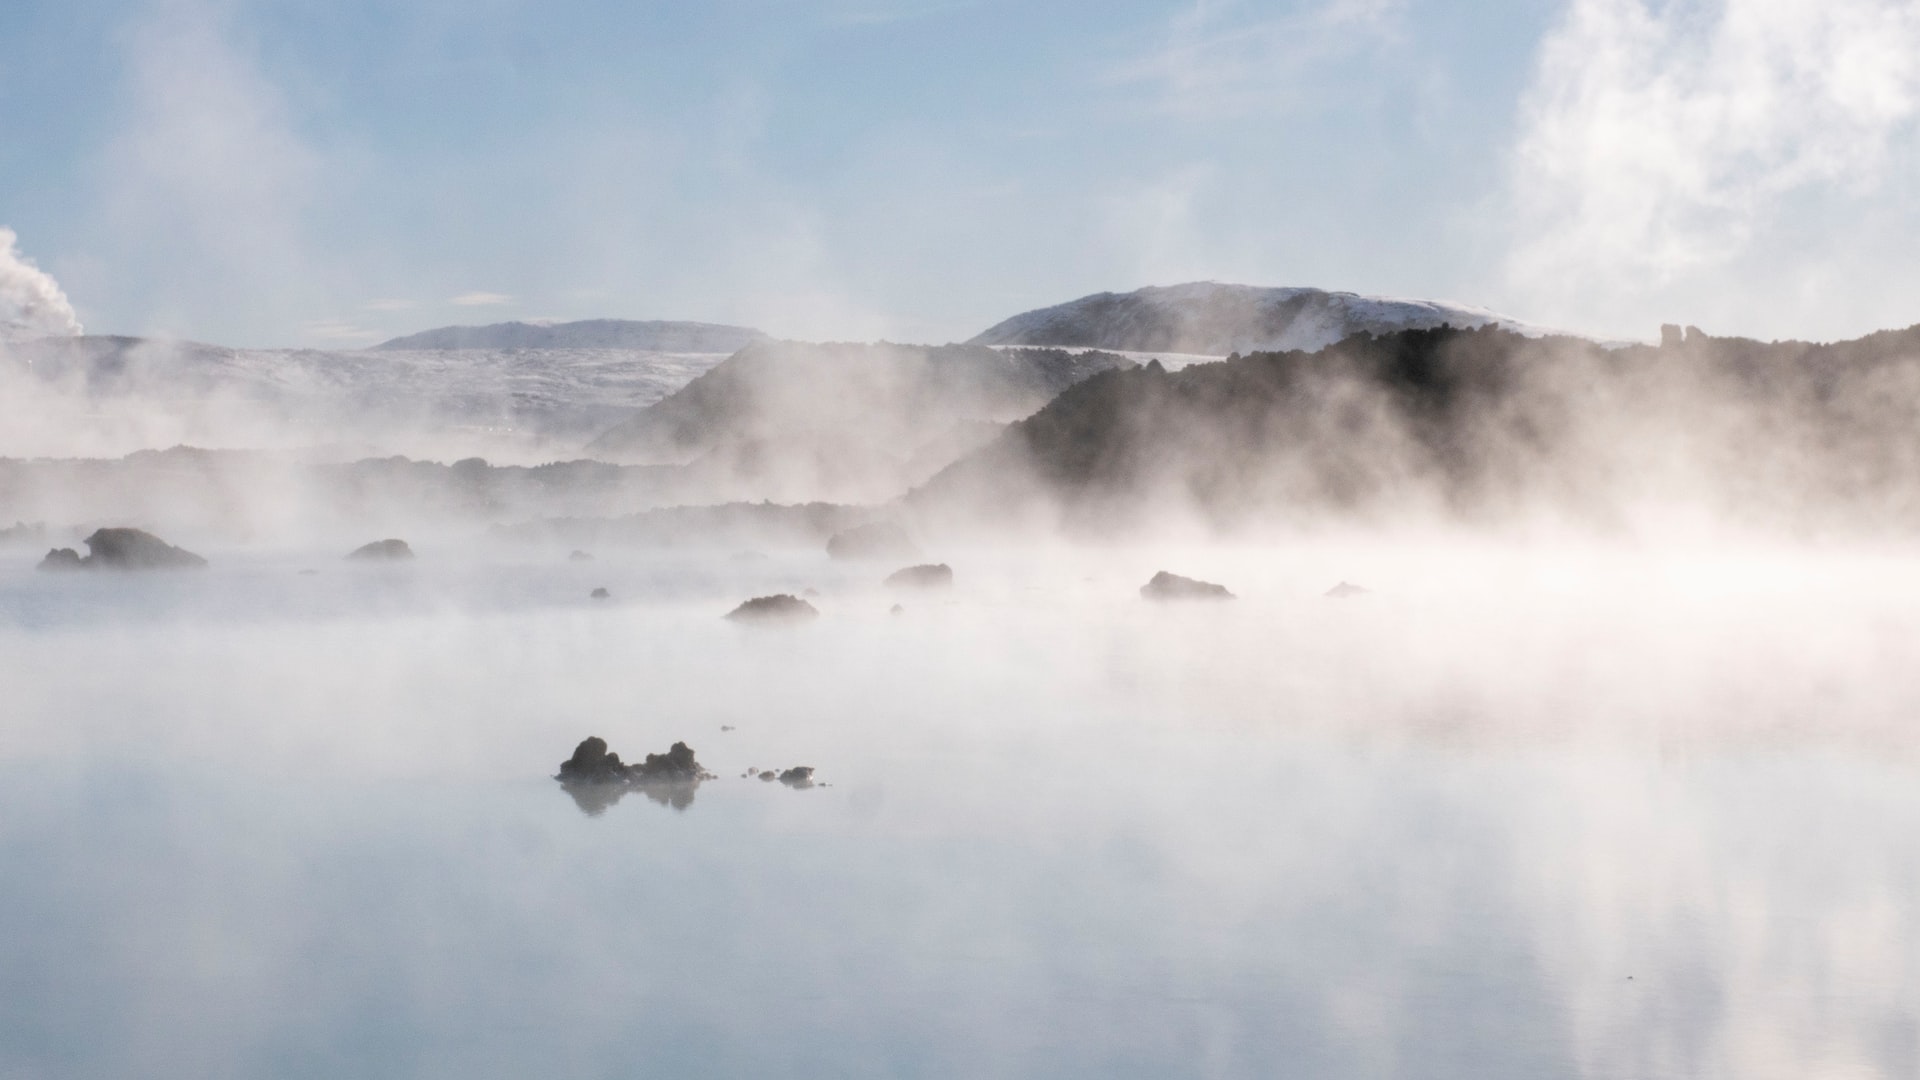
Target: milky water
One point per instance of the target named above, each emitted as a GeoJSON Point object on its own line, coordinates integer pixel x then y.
{"type": "Point", "coordinates": [1512, 814]}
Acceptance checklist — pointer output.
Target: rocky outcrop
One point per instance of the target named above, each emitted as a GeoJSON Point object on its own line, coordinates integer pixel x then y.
{"type": "Point", "coordinates": [580, 556]}
{"type": "Point", "coordinates": [123, 549]}
{"type": "Point", "coordinates": [597, 778]}
{"type": "Point", "coordinates": [63, 559]}
{"type": "Point", "coordinates": [382, 551]}
{"type": "Point", "coordinates": [927, 576]}
{"type": "Point", "coordinates": [777, 608]}
{"type": "Point", "coordinates": [1165, 586]}
{"type": "Point", "coordinates": [599, 594]}
{"type": "Point", "coordinates": [1346, 590]}
{"type": "Point", "coordinates": [879, 540]}
{"type": "Point", "coordinates": [800, 777]}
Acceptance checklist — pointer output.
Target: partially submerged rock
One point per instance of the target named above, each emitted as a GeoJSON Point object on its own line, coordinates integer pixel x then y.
{"type": "Point", "coordinates": [580, 556]}
{"type": "Point", "coordinates": [777, 608]}
{"type": "Point", "coordinates": [925, 576]}
{"type": "Point", "coordinates": [599, 594]}
{"type": "Point", "coordinates": [1165, 586]}
{"type": "Point", "coordinates": [382, 551]}
{"type": "Point", "coordinates": [597, 778]}
{"type": "Point", "coordinates": [123, 549]}
{"type": "Point", "coordinates": [1346, 590]}
{"type": "Point", "coordinates": [879, 540]}
{"type": "Point", "coordinates": [63, 559]}
{"type": "Point", "coordinates": [799, 777]}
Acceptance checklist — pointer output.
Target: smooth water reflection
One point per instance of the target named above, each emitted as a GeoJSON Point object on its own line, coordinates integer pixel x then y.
{"type": "Point", "coordinates": [1064, 834]}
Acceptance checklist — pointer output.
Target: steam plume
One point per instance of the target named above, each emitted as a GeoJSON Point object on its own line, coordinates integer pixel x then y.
{"type": "Point", "coordinates": [31, 303]}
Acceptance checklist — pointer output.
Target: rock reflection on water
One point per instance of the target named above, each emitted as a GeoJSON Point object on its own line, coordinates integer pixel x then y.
{"type": "Point", "coordinates": [593, 798]}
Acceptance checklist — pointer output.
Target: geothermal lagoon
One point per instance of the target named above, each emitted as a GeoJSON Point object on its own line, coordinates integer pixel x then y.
{"type": "Point", "coordinates": [1513, 812]}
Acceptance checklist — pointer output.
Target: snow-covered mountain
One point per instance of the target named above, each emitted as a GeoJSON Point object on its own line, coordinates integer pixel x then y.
{"type": "Point", "coordinates": [112, 395]}
{"type": "Point", "coordinates": [1213, 319]}
{"type": "Point", "coordinates": [666, 337]}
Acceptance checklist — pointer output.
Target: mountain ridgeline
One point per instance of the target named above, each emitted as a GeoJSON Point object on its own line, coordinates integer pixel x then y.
{"type": "Point", "coordinates": [1212, 319]}
{"type": "Point", "coordinates": [649, 336]}
{"type": "Point", "coordinates": [1480, 426]}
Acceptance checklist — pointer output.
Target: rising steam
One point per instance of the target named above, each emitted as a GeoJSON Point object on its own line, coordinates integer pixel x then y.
{"type": "Point", "coordinates": [31, 303]}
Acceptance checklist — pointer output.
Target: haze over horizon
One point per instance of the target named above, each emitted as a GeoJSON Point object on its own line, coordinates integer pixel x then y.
{"type": "Point", "coordinates": [334, 175]}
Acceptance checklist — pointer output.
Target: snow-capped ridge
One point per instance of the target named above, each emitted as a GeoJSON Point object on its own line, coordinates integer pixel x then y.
{"type": "Point", "coordinates": [1214, 319]}
{"type": "Point", "coordinates": [652, 336]}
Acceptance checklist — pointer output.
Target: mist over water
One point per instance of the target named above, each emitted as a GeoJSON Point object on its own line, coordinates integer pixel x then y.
{"type": "Point", "coordinates": [1517, 811]}
{"type": "Point", "coordinates": [1559, 724]}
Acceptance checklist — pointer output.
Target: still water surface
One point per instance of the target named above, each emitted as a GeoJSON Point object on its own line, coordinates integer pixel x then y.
{"type": "Point", "coordinates": [1507, 816]}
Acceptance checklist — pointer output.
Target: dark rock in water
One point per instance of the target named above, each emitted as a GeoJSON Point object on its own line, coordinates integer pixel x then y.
{"type": "Point", "coordinates": [930, 576]}
{"type": "Point", "coordinates": [592, 763]}
{"type": "Point", "coordinates": [63, 559]}
{"type": "Point", "coordinates": [800, 776]}
{"type": "Point", "coordinates": [382, 551]}
{"type": "Point", "coordinates": [133, 549]}
{"type": "Point", "coordinates": [773, 608]}
{"type": "Point", "coordinates": [676, 764]}
{"type": "Point", "coordinates": [880, 540]}
{"type": "Point", "coordinates": [580, 556]}
{"type": "Point", "coordinates": [599, 594]}
{"type": "Point", "coordinates": [1344, 590]}
{"type": "Point", "coordinates": [123, 549]}
{"type": "Point", "coordinates": [1165, 586]}
{"type": "Point", "coordinates": [596, 777]}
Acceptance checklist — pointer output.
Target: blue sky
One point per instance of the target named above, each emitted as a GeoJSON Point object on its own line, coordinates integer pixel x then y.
{"type": "Point", "coordinates": [330, 172]}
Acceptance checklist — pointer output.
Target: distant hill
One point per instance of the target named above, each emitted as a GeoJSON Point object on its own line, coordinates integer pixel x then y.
{"type": "Point", "coordinates": [104, 396]}
{"type": "Point", "coordinates": [793, 421]}
{"type": "Point", "coordinates": [1471, 426]}
{"type": "Point", "coordinates": [1212, 319]}
{"type": "Point", "coordinates": [679, 337]}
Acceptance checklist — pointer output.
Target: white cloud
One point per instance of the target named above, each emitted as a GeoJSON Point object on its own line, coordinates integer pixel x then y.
{"type": "Point", "coordinates": [337, 330]}
{"type": "Point", "coordinates": [481, 299]}
{"type": "Point", "coordinates": [1663, 145]}
{"type": "Point", "coordinates": [1220, 58]}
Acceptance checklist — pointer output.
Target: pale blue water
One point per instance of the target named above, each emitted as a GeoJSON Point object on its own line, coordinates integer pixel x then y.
{"type": "Point", "coordinates": [1500, 819]}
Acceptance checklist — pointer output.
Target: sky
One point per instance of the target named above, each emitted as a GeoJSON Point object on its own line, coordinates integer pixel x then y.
{"type": "Point", "coordinates": [330, 173]}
